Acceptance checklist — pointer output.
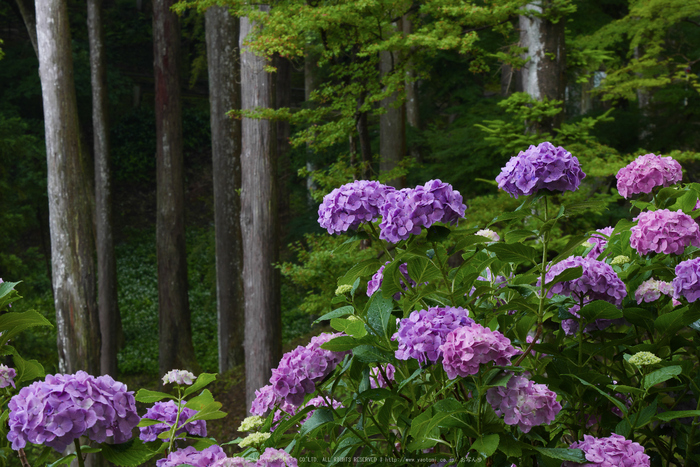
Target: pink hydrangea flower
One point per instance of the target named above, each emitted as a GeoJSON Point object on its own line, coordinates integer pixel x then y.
{"type": "Point", "coordinates": [190, 456]}
{"type": "Point", "coordinates": [468, 347]}
{"type": "Point", "coordinates": [651, 290]}
{"type": "Point", "coordinates": [599, 242]}
{"type": "Point", "coordinates": [524, 403]}
{"type": "Point", "coordinates": [646, 172]}
{"type": "Point", "coordinates": [613, 451]}
{"type": "Point", "coordinates": [664, 231]}
{"type": "Point", "coordinates": [541, 167]}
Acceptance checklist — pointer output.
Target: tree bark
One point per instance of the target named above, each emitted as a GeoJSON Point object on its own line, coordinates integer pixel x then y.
{"type": "Point", "coordinates": [310, 65]}
{"type": "Point", "coordinates": [544, 75]}
{"type": "Point", "coordinates": [365, 145]}
{"type": "Point", "coordinates": [26, 9]}
{"type": "Point", "coordinates": [221, 31]}
{"type": "Point", "coordinates": [283, 98]}
{"type": "Point", "coordinates": [175, 332]}
{"type": "Point", "coordinates": [70, 200]}
{"type": "Point", "coordinates": [263, 347]}
{"type": "Point", "coordinates": [412, 113]}
{"type": "Point", "coordinates": [392, 126]}
{"type": "Point", "coordinates": [110, 320]}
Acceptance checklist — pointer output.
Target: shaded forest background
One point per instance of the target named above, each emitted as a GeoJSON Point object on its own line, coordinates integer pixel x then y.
{"type": "Point", "coordinates": [469, 127]}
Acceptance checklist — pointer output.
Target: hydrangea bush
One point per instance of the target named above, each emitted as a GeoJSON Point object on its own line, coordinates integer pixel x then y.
{"type": "Point", "coordinates": [485, 345]}
{"type": "Point", "coordinates": [522, 351]}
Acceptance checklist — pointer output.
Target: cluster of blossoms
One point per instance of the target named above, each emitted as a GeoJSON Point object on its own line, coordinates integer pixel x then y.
{"type": "Point", "coordinates": [190, 456]}
{"type": "Point", "coordinates": [598, 242]}
{"type": "Point", "coordinates": [406, 211]}
{"type": "Point", "coordinates": [524, 403]}
{"type": "Point", "coordinates": [352, 204]}
{"type": "Point", "coordinates": [541, 167]}
{"type": "Point", "coordinates": [687, 281]}
{"type": "Point", "coordinates": [7, 376]}
{"type": "Point", "coordinates": [651, 290]}
{"type": "Point", "coordinates": [181, 377]}
{"type": "Point", "coordinates": [644, 359]}
{"type": "Point", "coordinates": [646, 172]}
{"type": "Point", "coordinates": [423, 332]}
{"type": "Point", "coordinates": [597, 282]}
{"type": "Point", "coordinates": [166, 412]}
{"type": "Point", "coordinates": [376, 282]}
{"type": "Point", "coordinates": [467, 347]}
{"type": "Point", "coordinates": [490, 234]}
{"type": "Point", "coordinates": [62, 408]}
{"type": "Point", "coordinates": [297, 375]}
{"type": "Point", "coordinates": [613, 451]}
{"type": "Point", "coordinates": [664, 231]}
{"type": "Point", "coordinates": [376, 379]}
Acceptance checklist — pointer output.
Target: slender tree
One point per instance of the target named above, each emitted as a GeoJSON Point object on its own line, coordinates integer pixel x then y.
{"type": "Point", "coordinates": [26, 9]}
{"type": "Point", "coordinates": [221, 30]}
{"type": "Point", "coordinates": [544, 74]}
{"type": "Point", "coordinates": [70, 200]}
{"type": "Point", "coordinates": [175, 331]}
{"type": "Point", "coordinates": [392, 124]}
{"type": "Point", "coordinates": [110, 319]}
{"type": "Point", "coordinates": [258, 222]}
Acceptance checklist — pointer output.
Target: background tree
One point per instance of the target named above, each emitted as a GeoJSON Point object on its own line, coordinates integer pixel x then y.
{"type": "Point", "coordinates": [224, 95]}
{"type": "Point", "coordinates": [263, 346]}
{"type": "Point", "coordinates": [70, 200]}
{"type": "Point", "coordinates": [108, 306]}
{"type": "Point", "coordinates": [175, 348]}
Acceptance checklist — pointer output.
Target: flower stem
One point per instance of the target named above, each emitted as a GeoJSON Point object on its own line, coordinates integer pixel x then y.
{"type": "Point", "coordinates": [78, 454]}
{"type": "Point", "coordinates": [177, 420]}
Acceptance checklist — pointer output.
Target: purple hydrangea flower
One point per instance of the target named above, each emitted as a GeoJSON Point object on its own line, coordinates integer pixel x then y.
{"type": "Point", "coordinates": [190, 456]}
{"type": "Point", "coordinates": [664, 231]}
{"type": "Point", "coordinates": [376, 379]}
{"type": "Point", "coordinates": [376, 282]}
{"type": "Point", "coordinates": [275, 458]}
{"type": "Point", "coordinates": [406, 211]}
{"type": "Point", "coordinates": [167, 413]}
{"type": "Point", "coordinates": [598, 281]}
{"type": "Point", "coordinates": [524, 403]}
{"type": "Point", "coordinates": [687, 281]}
{"type": "Point", "coordinates": [646, 172]}
{"type": "Point", "coordinates": [7, 376]}
{"type": "Point", "coordinates": [541, 167]}
{"type": "Point", "coordinates": [570, 326]}
{"type": "Point", "coordinates": [300, 370]}
{"type": "Point", "coordinates": [650, 290]}
{"type": "Point", "coordinates": [265, 399]}
{"type": "Point", "coordinates": [56, 411]}
{"type": "Point", "coordinates": [421, 334]}
{"type": "Point", "coordinates": [352, 204]}
{"type": "Point", "coordinates": [613, 451]}
{"type": "Point", "coordinates": [599, 242]}
{"type": "Point", "coordinates": [467, 347]}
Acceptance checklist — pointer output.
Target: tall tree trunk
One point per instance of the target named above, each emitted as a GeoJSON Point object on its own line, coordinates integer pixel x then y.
{"type": "Point", "coordinates": [544, 75]}
{"type": "Point", "coordinates": [363, 137]}
{"type": "Point", "coordinates": [392, 126]}
{"type": "Point", "coordinates": [221, 31]}
{"type": "Point", "coordinates": [258, 224]}
{"type": "Point", "coordinates": [70, 201]}
{"type": "Point", "coordinates": [283, 98]}
{"type": "Point", "coordinates": [412, 113]}
{"type": "Point", "coordinates": [26, 9]}
{"type": "Point", "coordinates": [110, 320]}
{"type": "Point", "coordinates": [310, 66]}
{"type": "Point", "coordinates": [175, 331]}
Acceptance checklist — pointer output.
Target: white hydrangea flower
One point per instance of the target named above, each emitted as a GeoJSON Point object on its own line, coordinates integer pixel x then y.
{"type": "Point", "coordinates": [644, 358]}
{"type": "Point", "coordinates": [254, 439]}
{"type": "Point", "coordinates": [489, 234]}
{"type": "Point", "coordinates": [179, 377]}
{"type": "Point", "coordinates": [251, 423]}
